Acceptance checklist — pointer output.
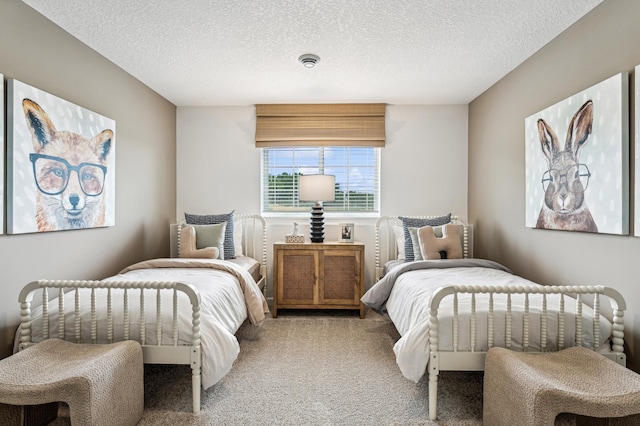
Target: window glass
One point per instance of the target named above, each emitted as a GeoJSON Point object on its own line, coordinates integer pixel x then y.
{"type": "Point", "coordinates": [356, 170]}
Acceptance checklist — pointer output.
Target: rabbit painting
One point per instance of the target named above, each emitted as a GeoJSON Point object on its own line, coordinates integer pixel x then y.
{"type": "Point", "coordinates": [566, 179]}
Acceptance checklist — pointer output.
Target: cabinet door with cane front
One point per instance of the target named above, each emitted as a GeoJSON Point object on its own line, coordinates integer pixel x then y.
{"type": "Point", "coordinates": [340, 277]}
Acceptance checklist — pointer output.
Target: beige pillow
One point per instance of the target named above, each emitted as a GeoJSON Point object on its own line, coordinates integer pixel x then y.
{"type": "Point", "coordinates": [431, 246]}
{"type": "Point", "coordinates": [188, 245]}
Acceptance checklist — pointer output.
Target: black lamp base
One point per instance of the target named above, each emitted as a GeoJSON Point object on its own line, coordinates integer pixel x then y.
{"type": "Point", "coordinates": [317, 223]}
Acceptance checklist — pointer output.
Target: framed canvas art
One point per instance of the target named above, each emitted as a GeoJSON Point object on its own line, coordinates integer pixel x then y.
{"type": "Point", "coordinates": [577, 161]}
{"type": "Point", "coordinates": [2, 154]}
{"type": "Point", "coordinates": [636, 222]}
{"type": "Point", "coordinates": [60, 163]}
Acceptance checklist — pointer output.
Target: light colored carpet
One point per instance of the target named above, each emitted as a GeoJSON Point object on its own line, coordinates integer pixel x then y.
{"type": "Point", "coordinates": [313, 368]}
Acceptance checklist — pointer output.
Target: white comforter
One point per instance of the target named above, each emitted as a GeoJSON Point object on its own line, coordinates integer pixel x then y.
{"type": "Point", "coordinates": [224, 298]}
{"type": "Point", "coordinates": [406, 302]}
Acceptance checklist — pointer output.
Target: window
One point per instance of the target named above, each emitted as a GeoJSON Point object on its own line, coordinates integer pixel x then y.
{"type": "Point", "coordinates": [356, 170]}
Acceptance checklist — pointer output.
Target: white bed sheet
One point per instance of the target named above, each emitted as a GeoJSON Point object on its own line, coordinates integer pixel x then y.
{"type": "Point", "coordinates": [222, 311]}
{"type": "Point", "coordinates": [408, 308]}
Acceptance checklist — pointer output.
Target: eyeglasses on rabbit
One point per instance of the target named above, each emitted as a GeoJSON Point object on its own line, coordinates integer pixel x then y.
{"type": "Point", "coordinates": [575, 174]}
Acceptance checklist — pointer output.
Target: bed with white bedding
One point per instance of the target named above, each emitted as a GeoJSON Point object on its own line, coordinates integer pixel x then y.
{"type": "Point", "coordinates": [449, 312]}
{"type": "Point", "coordinates": [182, 310]}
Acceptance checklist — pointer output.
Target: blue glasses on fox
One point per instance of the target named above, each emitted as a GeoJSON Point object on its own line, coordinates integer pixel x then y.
{"type": "Point", "coordinates": [52, 175]}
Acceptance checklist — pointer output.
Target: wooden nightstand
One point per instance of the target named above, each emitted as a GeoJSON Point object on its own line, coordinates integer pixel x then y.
{"type": "Point", "coordinates": [327, 275]}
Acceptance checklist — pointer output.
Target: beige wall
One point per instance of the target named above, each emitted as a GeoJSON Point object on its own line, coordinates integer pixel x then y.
{"type": "Point", "coordinates": [605, 42]}
{"type": "Point", "coordinates": [423, 168]}
{"type": "Point", "coordinates": [35, 51]}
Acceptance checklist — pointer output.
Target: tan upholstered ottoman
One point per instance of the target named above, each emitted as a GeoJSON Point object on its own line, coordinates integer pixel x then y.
{"type": "Point", "coordinates": [532, 389]}
{"type": "Point", "coordinates": [102, 384]}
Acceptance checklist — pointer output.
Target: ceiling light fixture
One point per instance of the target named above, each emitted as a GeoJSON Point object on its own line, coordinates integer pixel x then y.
{"type": "Point", "coordinates": [309, 60]}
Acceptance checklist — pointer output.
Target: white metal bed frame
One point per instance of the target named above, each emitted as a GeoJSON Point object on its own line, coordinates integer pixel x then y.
{"type": "Point", "coordinates": [463, 360]}
{"type": "Point", "coordinates": [254, 245]}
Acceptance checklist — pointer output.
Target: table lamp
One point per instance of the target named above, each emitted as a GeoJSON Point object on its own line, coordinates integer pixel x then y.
{"type": "Point", "coordinates": [317, 188]}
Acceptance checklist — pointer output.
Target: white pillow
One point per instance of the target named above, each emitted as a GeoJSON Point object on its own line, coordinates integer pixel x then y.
{"type": "Point", "coordinates": [417, 252]}
{"type": "Point", "coordinates": [237, 237]}
{"type": "Point", "coordinates": [399, 234]}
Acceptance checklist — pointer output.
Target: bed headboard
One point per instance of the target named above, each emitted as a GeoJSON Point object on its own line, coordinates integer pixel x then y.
{"type": "Point", "coordinates": [387, 243]}
{"type": "Point", "coordinates": [254, 238]}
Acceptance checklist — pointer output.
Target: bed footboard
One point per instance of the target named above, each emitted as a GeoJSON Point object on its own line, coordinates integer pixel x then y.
{"type": "Point", "coordinates": [474, 360]}
{"type": "Point", "coordinates": [161, 352]}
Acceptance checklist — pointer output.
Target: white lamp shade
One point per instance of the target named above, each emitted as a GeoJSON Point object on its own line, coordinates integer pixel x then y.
{"type": "Point", "coordinates": [317, 188]}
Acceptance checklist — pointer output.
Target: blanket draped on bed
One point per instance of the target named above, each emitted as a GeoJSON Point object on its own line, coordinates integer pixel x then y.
{"type": "Point", "coordinates": [412, 349]}
{"type": "Point", "coordinates": [404, 296]}
{"type": "Point", "coordinates": [257, 306]}
{"type": "Point", "coordinates": [376, 297]}
{"type": "Point", "coordinates": [228, 296]}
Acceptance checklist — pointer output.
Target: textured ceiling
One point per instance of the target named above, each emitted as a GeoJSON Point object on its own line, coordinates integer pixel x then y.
{"type": "Point", "coordinates": [236, 52]}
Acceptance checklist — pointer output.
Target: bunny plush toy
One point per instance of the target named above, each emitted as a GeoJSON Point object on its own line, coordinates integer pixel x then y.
{"type": "Point", "coordinates": [565, 180]}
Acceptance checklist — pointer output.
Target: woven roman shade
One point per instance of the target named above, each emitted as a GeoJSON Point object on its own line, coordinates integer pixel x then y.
{"type": "Point", "coordinates": [290, 125]}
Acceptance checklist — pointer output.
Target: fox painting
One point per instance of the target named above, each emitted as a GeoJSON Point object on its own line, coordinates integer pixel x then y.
{"type": "Point", "coordinates": [67, 200]}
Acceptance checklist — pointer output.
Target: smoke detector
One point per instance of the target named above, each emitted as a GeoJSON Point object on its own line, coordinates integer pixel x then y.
{"type": "Point", "coordinates": [309, 60]}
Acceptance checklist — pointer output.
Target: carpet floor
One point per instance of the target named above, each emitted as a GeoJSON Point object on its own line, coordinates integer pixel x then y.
{"type": "Point", "coordinates": [314, 368]}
